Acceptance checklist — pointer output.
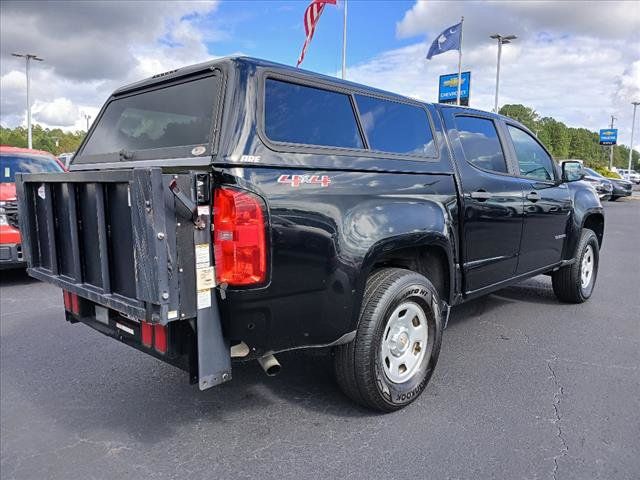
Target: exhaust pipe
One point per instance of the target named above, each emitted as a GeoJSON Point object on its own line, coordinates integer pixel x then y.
{"type": "Point", "coordinates": [270, 365]}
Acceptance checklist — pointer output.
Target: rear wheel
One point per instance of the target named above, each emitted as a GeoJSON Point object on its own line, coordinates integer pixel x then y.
{"type": "Point", "coordinates": [574, 283]}
{"type": "Point", "coordinates": [388, 364]}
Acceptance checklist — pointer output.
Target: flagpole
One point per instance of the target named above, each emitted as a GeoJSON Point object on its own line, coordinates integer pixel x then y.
{"type": "Point", "coordinates": [344, 42]}
{"type": "Point", "coordinates": [460, 61]}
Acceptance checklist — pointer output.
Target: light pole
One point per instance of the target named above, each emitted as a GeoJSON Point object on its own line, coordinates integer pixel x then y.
{"type": "Point", "coordinates": [344, 41]}
{"type": "Point", "coordinates": [502, 39]}
{"type": "Point", "coordinates": [633, 126]}
{"type": "Point", "coordinates": [613, 119]}
{"type": "Point", "coordinates": [87, 117]}
{"type": "Point", "coordinates": [28, 57]}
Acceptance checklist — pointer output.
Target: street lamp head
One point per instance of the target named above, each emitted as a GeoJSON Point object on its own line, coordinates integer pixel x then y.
{"type": "Point", "coordinates": [503, 38]}
{"type": "Point", "coordinates": [28, 55]}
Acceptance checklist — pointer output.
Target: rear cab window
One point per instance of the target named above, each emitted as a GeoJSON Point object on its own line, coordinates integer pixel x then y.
{"type": "Point", "coordinates": [162, 122]}
{"type": "Point", "coordinates": [481, 144]}
{"type": "Point", "coordinates": [10, 164]}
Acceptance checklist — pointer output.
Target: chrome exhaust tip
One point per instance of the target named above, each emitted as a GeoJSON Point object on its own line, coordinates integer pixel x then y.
{"type": "Point", "coordinates": [270, 365]}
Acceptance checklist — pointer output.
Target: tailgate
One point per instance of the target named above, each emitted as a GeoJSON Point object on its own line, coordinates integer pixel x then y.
{"type": "Point", "coordinates": [123, 240]}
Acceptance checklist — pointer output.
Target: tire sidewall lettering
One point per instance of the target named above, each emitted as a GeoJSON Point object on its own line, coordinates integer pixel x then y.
{"type": "Point", "coordinates": [586, 292]}
{"type": "Point", "coordinates": [399, 394]}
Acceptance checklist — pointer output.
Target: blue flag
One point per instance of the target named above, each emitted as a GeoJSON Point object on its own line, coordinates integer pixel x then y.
{"type": "Point", "coordinates": [449, 39]}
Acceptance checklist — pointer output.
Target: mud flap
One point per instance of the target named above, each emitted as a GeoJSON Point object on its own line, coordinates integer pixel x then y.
{"type": "Point", "coordinates": [214, 353]}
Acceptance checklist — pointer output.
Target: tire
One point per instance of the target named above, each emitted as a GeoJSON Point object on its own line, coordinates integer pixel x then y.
{"type": "Point", "coordinates": [400, 308]}
{"type": "Point", "coordinates": [613, 199]}
{"type": "Point", "coordinates": [568, 281]}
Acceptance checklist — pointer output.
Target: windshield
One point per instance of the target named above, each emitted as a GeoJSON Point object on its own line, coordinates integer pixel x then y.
{"type": "Point", "coordinates": [180, 115]}
{"type": "Point", "coordinates": [12, 164]}
{"type": "Point", "coordinates": [593, 173]}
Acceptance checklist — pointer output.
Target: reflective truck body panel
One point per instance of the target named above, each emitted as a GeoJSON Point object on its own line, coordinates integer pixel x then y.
{"type": "Point", "coordinates": [471, 219]}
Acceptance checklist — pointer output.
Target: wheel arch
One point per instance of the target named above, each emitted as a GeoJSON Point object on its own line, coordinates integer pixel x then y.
{"type": "Point", "coordinates": [429, 254]}
{"type": "Point", "coordinates": [595, 221]}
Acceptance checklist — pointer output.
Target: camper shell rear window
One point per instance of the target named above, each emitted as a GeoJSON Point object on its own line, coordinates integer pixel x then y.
{"type": "Point", "coordinates": [166, 121]}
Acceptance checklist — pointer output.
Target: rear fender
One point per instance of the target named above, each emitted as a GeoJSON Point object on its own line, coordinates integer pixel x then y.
{"type": "Point", "coordinates": [411, 233]}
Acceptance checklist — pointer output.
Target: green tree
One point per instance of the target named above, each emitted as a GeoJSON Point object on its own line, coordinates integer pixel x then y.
{"type": "Point", "coordinates": [567, 142]}
{"type": "Point", "coordinates": [560, 139]}
{"type": "Point", "coordinates": [54, 140]}
{"type": "Point", "coordinates": [525, 115]}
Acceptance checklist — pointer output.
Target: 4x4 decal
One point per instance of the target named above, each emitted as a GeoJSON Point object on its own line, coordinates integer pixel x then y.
{"type": "Point", "coordinates": [297, 180]}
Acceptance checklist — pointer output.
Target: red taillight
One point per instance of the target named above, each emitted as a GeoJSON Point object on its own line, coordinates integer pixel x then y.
{"type": "Point", "coordinates": [146, 334]}
{"type": "Point", "coordinates": [75, 303]}
{"type": "Point", "coordinates": [239, 240]}
{"type": "Point", "coordinates": [67, 300]}
{"type": "Point", "coordinates": [160, 337]}
{"type": "Point", "coordinates": [71, 302]}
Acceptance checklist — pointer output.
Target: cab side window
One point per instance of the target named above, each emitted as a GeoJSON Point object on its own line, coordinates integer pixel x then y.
{"type": "Point", "coordinates": [480, 142]}
{"type": "Point", "coordinates": [534, 162]}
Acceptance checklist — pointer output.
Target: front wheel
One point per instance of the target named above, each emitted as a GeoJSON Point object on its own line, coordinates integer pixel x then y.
{"type": "Point", "coordinates": [388, 364]}
{"type": "Point", "coordinates": [574, 283]}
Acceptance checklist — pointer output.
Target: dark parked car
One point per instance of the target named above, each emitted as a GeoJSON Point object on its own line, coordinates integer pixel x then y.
{"type": "Point", "coordinates": [619, 186]}
{"type": "Point", "coordinates": [602, 185]}
{"type": "Point", "coordinates": [240, 208]}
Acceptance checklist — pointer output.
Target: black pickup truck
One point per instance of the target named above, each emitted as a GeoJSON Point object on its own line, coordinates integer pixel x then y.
{"type": "Point", "coordinates": [239, 208]}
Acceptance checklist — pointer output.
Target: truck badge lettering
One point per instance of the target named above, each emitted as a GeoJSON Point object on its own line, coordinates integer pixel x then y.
{"type": "Point", "coordinates": [250, 159]}
{"type": "Point", "coordinates": [297, 180]}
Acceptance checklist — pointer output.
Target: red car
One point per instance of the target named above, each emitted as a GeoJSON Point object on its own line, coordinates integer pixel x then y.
{"type": "Point", "coordinates": [14, 160]}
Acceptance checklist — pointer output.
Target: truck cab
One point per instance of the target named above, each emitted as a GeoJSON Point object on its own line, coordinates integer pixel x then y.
{"type": "Point", "coordinates": [232, 210]}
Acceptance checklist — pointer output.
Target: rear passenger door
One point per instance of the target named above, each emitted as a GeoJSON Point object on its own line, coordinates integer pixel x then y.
{"type": "Point", "coordinates": [492, 198]}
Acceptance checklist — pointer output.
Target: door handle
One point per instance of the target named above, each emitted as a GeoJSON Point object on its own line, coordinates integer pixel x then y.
{"type": "Point", "coordinates": [533, 196]}
{"type": "Point", "coordinates": [481, 195]}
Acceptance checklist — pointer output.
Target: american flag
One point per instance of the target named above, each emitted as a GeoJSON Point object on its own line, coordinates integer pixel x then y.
{"type": "Point", "coordinates": [311, 17]}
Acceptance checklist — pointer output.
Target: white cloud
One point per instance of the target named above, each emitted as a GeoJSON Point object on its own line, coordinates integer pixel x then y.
{"type": "Point", "coordinates": [529, 18]}
{"type": "Point", "coordinates": [629, 83]}
{"type": "Point", "coordinates": [576, 61]}
{"type": "Point", "coordinates": [91, 48]}
{"type": "Point", "coordinates": [569, 62]}
{"type": "Point", "coordinates": [61, 112]}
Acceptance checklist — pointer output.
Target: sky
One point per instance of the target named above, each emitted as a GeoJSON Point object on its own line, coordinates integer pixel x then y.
{"type": "Point", "coordinates": [578, 62]}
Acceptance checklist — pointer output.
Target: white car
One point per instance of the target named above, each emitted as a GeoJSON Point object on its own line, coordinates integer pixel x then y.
{"type": "Point", "coordinates": [630, 175]}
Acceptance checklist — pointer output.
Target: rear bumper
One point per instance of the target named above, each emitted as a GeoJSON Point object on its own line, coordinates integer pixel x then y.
{"type": "Point", "coordinates": [181, 342]}
{"type": "Point", "coordinates": [11, 256]}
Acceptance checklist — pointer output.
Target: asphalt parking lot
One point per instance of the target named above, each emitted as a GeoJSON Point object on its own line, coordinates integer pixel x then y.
{"type": "Point", "coordinates": [525, 388]}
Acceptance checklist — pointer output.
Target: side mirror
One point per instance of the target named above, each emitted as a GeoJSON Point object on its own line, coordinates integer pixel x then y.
{"type": "Point", "coordinates": [572, 171]}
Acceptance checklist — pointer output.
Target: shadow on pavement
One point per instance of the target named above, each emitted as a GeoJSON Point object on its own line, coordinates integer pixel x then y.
{"type": "Point", "coordinates": [99, 384]}
{"type": "Point", "coordinates": [536, 290]}
{"type": "Point", "coordinates": [15, 276]}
